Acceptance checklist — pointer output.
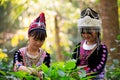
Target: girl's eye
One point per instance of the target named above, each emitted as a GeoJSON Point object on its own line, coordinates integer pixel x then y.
{"type": "Point", "coordinates": [87, 32]}
{"type": "Point", "coordinates": [39, 40]}
{"type": "Point", "coordinates": [35, 39]}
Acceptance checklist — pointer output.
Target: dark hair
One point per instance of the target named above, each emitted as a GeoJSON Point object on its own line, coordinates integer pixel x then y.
{"type": "Point", "coordinates": [38, 34]}
{"type": "Point", "coordinates": [88, 29]}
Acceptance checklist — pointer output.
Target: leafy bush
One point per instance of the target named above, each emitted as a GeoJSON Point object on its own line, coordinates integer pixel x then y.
{"type": "Point", "coordinates": [63, 71]}
{"type": "Point", "coordinates": [57, 71]}
{"type": "Point", "coordinates": [113, 71]}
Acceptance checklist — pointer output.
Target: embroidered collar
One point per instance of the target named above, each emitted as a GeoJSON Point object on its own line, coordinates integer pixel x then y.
{"type": "Point", "coordinates": [88, 47]}
{"type": "Point", "coordinates": [39, 54]}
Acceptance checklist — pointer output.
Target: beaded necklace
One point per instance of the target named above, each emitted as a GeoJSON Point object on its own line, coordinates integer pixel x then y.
{"type": "Point", "coordinates": [33, 60]}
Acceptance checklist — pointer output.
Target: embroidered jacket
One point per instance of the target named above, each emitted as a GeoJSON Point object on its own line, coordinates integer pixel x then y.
{"type": "Point", "coordinates": [96, 61]}
{"type": "Point", "coordinates": [20, 57]}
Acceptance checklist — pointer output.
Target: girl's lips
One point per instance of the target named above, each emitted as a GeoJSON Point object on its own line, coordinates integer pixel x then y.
{"type": "Point", "coordinates": [87, 38]}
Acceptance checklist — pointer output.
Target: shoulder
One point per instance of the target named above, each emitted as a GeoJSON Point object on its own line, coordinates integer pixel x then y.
{"type": "Point", "coordinates": [20, 51]}
{"type": "Point", "coordinates": [47, 57]}
{"type": "Point", "coordinates": [77, 45]}
{"type": "Point", "coordinates": [44, 52]}
{"type": "Point", "coordinates": [47, 54]}
{"type": "Point", "coordinates": [103, 46]}
{"type": "Point", "coordinates": [80, 43]}
{"type": "Point", "coordinates": [18, 55]}
{"type": "Point", "coordinates": [17, 52]}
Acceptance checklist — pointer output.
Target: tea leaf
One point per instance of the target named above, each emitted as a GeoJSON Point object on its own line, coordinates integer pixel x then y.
{"type": "Point", "coordinates": [70, 64]}
{"type": "Point", "coordinates": [61, 73]}
{"type": "Point", "coordinates": [2, 73]}
{"type": "Point", "coordinates": [44, 68]}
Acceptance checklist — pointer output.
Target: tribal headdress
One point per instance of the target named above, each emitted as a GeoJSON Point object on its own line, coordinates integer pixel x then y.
{"type": "Point", "coordinates": [89, 18]}
{"type": "Point", "coordinates": [38, 23]}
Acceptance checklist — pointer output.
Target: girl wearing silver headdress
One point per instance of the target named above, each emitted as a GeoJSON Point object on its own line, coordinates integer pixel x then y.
{"type": "Point", "coordinates": [90, 52]}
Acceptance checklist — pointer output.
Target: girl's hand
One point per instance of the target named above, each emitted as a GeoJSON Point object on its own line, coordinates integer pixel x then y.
{"type": "Point", "coordinates": [40, 75]}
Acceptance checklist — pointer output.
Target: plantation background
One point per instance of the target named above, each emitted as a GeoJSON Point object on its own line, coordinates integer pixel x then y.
{"type": "Point", "coordinates": [62, 33]}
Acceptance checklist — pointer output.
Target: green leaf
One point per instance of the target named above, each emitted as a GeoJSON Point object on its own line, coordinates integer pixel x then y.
{"type": "Point", "coordinates": [67, 54]}
{"type": "Point", "coordinates": [70, 64]}
{"type": "Point", "coordinates": [83, 73]}
{"type": "Point", "coordinates": [58, 65]}
{"type": "Point", "coordinates": [65, 78]}
{"type": "Point", "coordinates": [2, 73]}
{"type": "Point", "coordinates": [30, 77]}
{"type": "Point", "coordinates": [87, 78]}
{"type": "Point", "coordinates": [118, 37]}
{"type": "Point", "coordinates": [19, 74]}
{"type": "Point", "coordinates": [44, 68]}
{"type": "Point", "coordinates": [61, 73]}
{"type": "Point", "coordinates": [53, 72]}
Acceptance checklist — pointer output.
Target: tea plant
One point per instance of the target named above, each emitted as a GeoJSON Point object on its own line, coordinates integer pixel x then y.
{"type": "Point", "coordinates": [113, 71]}
{"type": "Point", "coordinates": [57, 71]}
{"type": "Point", "coordinates": [63, 71]}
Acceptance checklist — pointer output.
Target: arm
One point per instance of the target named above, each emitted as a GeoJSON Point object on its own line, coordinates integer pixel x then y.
{"type": "Point", "coordinates": [99, 60]}
{"type": "Point", "coordinates": [19, 64]}
{"type": "Point", "coordinates": [18, 60]}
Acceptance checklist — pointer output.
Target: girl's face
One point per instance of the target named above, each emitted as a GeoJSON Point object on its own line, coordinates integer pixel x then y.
{"type": "Point", "coordinates": [35, 44]}
{"type": "Point", "coordinates": [37, 38]}
{"type": "Point", "coordinates": [90, 35]}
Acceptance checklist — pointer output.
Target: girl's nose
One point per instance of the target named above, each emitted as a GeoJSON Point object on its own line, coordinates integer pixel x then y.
{"type": "Point", "coordinates": [86, 35]}
{"type": "Point", "coordinates": [38, 42]}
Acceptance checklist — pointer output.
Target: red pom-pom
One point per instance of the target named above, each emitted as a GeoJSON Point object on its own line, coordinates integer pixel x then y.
{"type": "Point", "coordinates": [42, 18]}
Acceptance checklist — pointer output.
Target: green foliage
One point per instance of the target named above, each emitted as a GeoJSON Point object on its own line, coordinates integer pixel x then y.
{"type": "Point", "coordinates": [63, 71]}
{"type": "Point", "coordinates": [10, 10]}
{"type": "Point", "coordinates": [113, 71]}
{"type": "Point", "coordinates": [25, 75]}
{"type": "Point", "coordinates": [118, 37]}
{"type": "Point", "coordinates": [2, 73]}
{"type": "Point", "coordinates": [57, 71]}
{"type": "Point", "coordinates": [6, 72]}
{"type": "Point", "coordinates": [118, 1]}
{"type": "Point", "coordinates": [16, 75]}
